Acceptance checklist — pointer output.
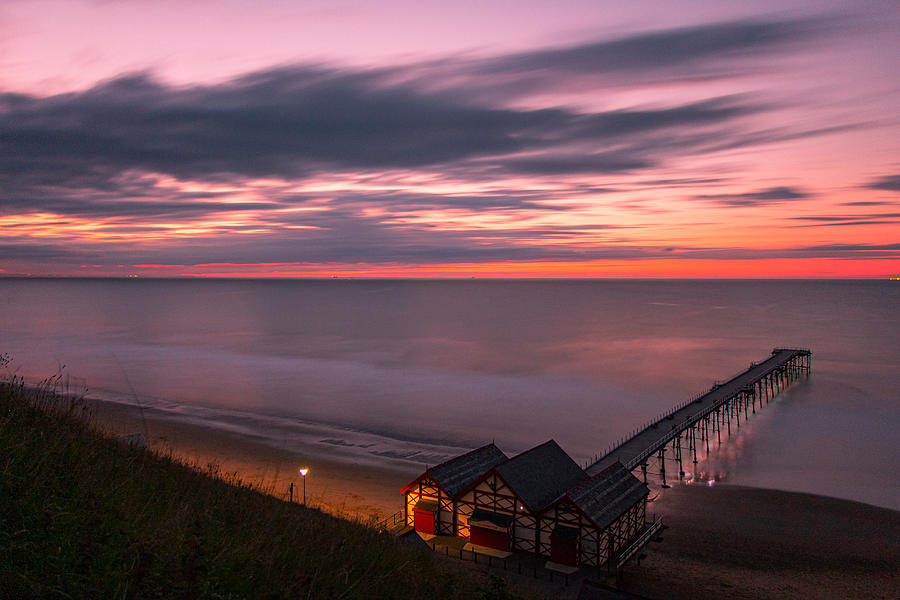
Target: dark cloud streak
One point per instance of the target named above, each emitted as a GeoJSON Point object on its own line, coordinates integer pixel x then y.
{"type": "Point", "coordinates": [661, 50]}
{"type": "Point", "coordinates": [293, 121]}
{"type": "Point", "coordinates": [838, 218]}
{"type": "Point", "coordinates": [890, 183]}
{"type": "Point", "coordinates": [759, 198]}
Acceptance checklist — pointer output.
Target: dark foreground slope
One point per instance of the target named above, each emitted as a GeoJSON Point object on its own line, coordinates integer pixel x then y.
{"type": "Point", "coordinates": [83, 516]}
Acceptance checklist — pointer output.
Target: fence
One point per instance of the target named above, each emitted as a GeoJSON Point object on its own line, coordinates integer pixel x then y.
{"type": "Point", "coordinates": [687, 422]}
{"type": "Point", "coordinates": [651, 530]}
{"type": "Point", "coordinates": [391, 521]}
{"type": "Point", "coordinates": [529, 566]}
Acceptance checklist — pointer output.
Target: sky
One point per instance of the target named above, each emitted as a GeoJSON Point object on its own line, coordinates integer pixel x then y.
{"type": "Point", "coordinates": [284, 138]}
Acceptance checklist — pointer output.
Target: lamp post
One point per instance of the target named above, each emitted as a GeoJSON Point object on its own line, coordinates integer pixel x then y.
{"type": "Point", "coordinates": [303, 473]}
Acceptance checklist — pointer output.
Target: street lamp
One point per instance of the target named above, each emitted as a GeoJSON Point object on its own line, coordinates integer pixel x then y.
{"type": "Point", "coordinates": [303, 473]}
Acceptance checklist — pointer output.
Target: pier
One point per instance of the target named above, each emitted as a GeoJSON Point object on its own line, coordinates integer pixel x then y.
{"type": "Point", "coordinates": [689, 427]}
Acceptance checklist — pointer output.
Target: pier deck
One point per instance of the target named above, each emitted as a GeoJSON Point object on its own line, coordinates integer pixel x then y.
{"type": "Point", "coordinates": [770, 375]}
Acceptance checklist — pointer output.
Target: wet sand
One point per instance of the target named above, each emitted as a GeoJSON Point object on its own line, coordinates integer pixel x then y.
{"type": "Point", "coordinates": [337, 486]}
{"type": "Point", "coordinates": [737, 542]}
{"type": "Point", "coordinates": [721, 541]}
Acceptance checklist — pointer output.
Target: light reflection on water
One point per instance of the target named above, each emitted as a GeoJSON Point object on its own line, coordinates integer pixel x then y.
{"type": "Point", "coordinates": [404, 366]}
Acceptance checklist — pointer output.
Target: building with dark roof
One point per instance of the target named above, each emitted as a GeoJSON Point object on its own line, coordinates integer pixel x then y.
{"type": "Point", "coordinates": [595, 520]}
{"type": "Point", "coordinates": [607, 495]}
{"type": "Point", "coordinates": [516, 491]}
{"type": "Point", "coordinates": [455, 475]}
{"type": "Point", "coordinates": [430, 505]}
{"type": "Point", "coordinates": [539, 501]}
{"type": "Point", "coordinates": [541, 475]}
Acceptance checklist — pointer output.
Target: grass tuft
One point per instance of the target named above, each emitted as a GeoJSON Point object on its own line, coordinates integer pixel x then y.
{"type": "Point", "coordinates": [84, 516]}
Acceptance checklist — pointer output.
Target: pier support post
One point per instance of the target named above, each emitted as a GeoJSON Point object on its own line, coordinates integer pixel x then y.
{"type": "Point", "coordinates": [662, 466]}
{"type": "Point", "coordinates": [694, 444]}
{"type": "Point", "coordinates": [706, 419]}
{"type": "Point", "coordinates": [690, 440]}
{"type": "Point", "coordinates": [678, 458]}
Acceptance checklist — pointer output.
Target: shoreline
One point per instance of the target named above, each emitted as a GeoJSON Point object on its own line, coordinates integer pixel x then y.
{"type": "Point", "coordinates": [343, 487]}
{"type": "Point", "coordinates": [725, 539]}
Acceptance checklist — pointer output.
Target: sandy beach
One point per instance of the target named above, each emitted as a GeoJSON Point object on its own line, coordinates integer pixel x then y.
{"type": "Point", "coordinates": [721, 541]}
{"type": "Point", "coordinates": [337, 486]}
{"type": "Point", "coordinates": [739, 542]}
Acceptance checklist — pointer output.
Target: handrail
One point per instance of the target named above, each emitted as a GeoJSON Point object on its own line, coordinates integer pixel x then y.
{"type": "Point", "coordinates": [639, 542]}
{"type": "Point", "coordinates": [677, 428]}
{"type": "Point", "coordinates": [383, 524]}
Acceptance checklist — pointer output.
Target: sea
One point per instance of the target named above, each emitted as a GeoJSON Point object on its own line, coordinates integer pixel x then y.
{"type": "Point", "coordinates": [406, 373]}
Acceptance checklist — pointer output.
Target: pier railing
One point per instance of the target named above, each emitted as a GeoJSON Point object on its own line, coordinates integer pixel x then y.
{"type": "Point", "coordinates": [651, 424]}
{"type": "Point", "coordinates": [634, 547]}
{"type": "Point", "coordinates": [678, 427]}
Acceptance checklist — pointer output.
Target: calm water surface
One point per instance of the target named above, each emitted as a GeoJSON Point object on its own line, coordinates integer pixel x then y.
{"type": "Point", "coordinates": [402, 373]}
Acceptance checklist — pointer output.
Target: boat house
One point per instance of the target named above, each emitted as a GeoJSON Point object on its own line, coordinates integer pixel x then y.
{"type": "Point", "coordinates": [431, 498]}
{"type": "Point", "coordinates": [595, 520]}
{"type": "Point", "coordinates": [539, 502]}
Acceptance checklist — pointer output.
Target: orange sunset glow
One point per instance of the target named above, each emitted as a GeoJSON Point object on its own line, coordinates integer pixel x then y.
{"type": "Point", "coordinates": [699, 142]}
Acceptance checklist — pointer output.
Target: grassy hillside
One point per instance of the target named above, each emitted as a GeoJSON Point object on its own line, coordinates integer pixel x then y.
{"type": "Point", "coordinates": [83, 516]}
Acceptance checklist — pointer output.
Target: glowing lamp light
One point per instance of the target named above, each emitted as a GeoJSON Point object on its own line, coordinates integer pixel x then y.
{"type": "Point", "coordinates": [303, 471]}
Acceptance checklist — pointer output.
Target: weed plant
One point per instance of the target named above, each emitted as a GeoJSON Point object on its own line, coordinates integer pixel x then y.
{"type": "Point", "coordinates": [84, 516]}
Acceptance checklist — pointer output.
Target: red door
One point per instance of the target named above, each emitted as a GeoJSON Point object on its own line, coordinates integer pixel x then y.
{"type": "Point", "coordinates": [424, 521]}
{"type": "Point", "coordinates": [491, 538]}
{"type": "Point", "coordinates": [564, 551]}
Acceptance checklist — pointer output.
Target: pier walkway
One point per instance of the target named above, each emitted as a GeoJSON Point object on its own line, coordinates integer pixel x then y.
{"type": "Point", "coordinates": [699, 418]}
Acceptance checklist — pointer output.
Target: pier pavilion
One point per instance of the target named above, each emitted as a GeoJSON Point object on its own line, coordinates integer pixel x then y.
{"type": "Point", "coordinates": [539, 502]}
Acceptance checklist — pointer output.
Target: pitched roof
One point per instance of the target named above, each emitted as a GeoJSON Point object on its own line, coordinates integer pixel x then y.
{"type": "Point", "coordinates": [607, 495]}
{"type": "Point", "coordinates": [457, 473]}
{"type": "Point", "coordinates": [541, 475]}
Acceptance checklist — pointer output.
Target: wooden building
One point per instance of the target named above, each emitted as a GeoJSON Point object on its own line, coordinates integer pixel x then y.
{"type": "Point", "coordinates": [500, 509]}
{"type": "Point", "coordinates": [596, 519]}
{"type": "Point", "coordinates": [539, 502]}
{"type": "Point", "coordinates": [430, 505]}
